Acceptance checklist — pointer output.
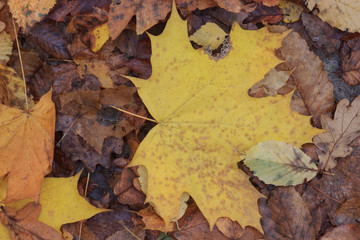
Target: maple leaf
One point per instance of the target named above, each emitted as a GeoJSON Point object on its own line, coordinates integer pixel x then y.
{"type": "Point", "coordinates": [342, 14]}
{"type": "Point", "coordinates": [29, 12]}
{"type": "Point", "coordinates": [60, 203]}
{"type": "Point", "coordinates": [342, 130]}
{"type": "Point", "coordinates": [205, 116]}
{"type": "Point", "coordinates": [33, 132]}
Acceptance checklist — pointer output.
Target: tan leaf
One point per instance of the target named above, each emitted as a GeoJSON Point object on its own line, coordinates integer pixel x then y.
{"type": "Point", "coordinates": [343, 14]}
{"type": "Point", "coordinates": [5, 47]}
{"type": "Point", "coordinates": [342, 130]}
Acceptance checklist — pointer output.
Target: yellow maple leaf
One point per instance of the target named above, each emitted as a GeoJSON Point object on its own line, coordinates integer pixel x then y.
{"type": "Point", "coordinates": [60, 203]}
{"type": "Point", "coordinates": [29, 12]}
{"type": "Point", "coordinates": [27, 147]}
{"type": "Point", "coordinates": [205, 117]}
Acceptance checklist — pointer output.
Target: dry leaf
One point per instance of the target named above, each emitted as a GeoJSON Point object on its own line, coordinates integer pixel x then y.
{"type": "Point", "coordinates": [342, 14]}
{"type": "Point", "coordinates": [269, 3]}
{"type": "Point", "coordinates": [285, 216]}
{"type": "Point", "coordinates": [348, 212]}
{"type": "Point", "coordinates": [350, 61]}
{"type": "Point", "coordinates": [29, 12]}
{"type": "Point", "coordinates": [97, 67]}
{"type": "Point", "coordinates": [292, 11]}
{"type": "Point", "coordinates": [26, 168]}
{"type": "Point", "coordinates": [279, 163]}
{"type": "Point", "coordinates": [342, 130]}
{"type": "Point", "coordinates": [151, 219]}
{"type": "Point", "coordinates": [24, 224]}
{"type": "Point", "coordinates": [209, 34]}
{"type": "Point", "coordinates": [193, 148]}
{"type": "Point", "coordinates": [311, 80]}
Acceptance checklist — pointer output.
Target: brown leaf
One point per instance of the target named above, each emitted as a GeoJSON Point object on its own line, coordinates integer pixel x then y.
{"type": "Point", "coordinates": [269, 3]}
{"type": "Point", "coordinates": [349, 212]}
{"type": "Point", "coordinates": [322, 34]}
{"type": "Point", "coordinates": [264, 14]}
{"type": "Point", "coordinates": [350, 61]}
{"type": "Point", "coordinates": [342, 130]}
{"type": "Point", "coordinates": [125, 190]}
{"type": "Point", "coordinates": [344, 232]}
{"type": "Point", "coordinates": [151, 219]}
{"type": "Point", "coordinates": [311, 80]}
{"type": "Point", "coordinates": [285, 215]}
{"type": "Point", "coordinates": [51, 39]}
{"type": "Point", "coordinates": [24, 225]}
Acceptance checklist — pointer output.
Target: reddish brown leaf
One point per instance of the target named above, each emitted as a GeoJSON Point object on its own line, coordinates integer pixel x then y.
{"type": "Point", "coordinates": [285, 215]}
{"type": "Point", "coordinates": [349, 212]}
{"type": "Point", "coordinates": [24, 225]}
{"type": "Point", "coordinates": [344, 232]}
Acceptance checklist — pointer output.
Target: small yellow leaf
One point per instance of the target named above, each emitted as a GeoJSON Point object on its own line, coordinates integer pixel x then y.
{"type": "Point", "coordinates": [209, 34]}
{"type": "Point", "coordinates": [279, 163]}
{"type": "Point", "coordinates": [291, 10]}
{"type": "Point", "coordinates": [60, 202]}
{"type": "Point", "coordinates": [5, 47]}
{"type": "Point", "coordinates": [101, 34]}
{"type": "Point", "coordinates": [343, 14]}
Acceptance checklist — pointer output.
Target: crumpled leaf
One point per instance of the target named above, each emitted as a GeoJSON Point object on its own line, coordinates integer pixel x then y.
{"type": "Point", "coordinates": [311, 80]}
{"type": "Point", "coordinates": [26, 168]}
{"type": "Point", "coordinates": [342, 14]}
{"type": "Point", "coordinates": [209, 34]}
{"type": "Point", "coordinates": [279, 163]}
{"type": "Point", "coordinates": [60, 203]}
{"type": "Point", "coordinates": [341, 131]}
{"type": "Point", "coordinates": [193, 147]}
{"type": "Point", "coordinates": [5, 47]}
{"type": "Point", "coordinates": [285, 216]}
{"type": "Point", "coordinates": [24, 223]}
{"type": "Point", "coordinates": [29, 12]}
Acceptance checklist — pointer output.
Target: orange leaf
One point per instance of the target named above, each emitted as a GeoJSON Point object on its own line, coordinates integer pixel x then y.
{"type": "Point", "coordinates": [26, 147]}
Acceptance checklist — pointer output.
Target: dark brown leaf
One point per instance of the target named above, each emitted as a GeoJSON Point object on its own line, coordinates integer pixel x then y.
{"type": "Point", "coordinates": [286, 216]}
{"type": "Point", "coordinates": [348, 213]}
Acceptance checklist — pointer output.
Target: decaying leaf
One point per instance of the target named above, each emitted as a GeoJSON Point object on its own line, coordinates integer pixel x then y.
{"type": "Point", "coordinates": [348, 212]}
{"type": "Point", "coordinates": [24, 224]}
{"type": "Point", "coordinates": [341, 131]}
{"type": "Point", "coordinates": [285, 216]}
{"type": "Point", "coordinates": [311, 80]}
{"type": "Point", "coordinates": [5, 47]}
{"type": "Point", "coordinates": [97, 67]}
{"type": "Point", "coordinates": [279, 163]}
{"type": "Point", "coordinates": [343, 14]}
{"type": "Point", "coordinates": [209, 34]}
{"type": "Point", "coordinates": [194, 147]}
{"type": "Point", "coordinates": [100, 35]}
{"type": "Point", "coordinates": [268, 3]}
{"type": "Point", "coordinates": [60, 203]}
{"type": "Point", "coordinates": [26, 168]}
{"type": "Point", "coordinates": [29, 12]}
{"type": "Point", "coordinates": [292, 11]}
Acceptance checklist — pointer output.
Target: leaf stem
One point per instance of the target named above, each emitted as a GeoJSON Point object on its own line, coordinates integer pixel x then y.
{"type": "Point", "coordinates": [134, 114]}
{"type": "Point", "coordinates": [21, 64]}
{"type": "Point", "coordinates": [326, 195]}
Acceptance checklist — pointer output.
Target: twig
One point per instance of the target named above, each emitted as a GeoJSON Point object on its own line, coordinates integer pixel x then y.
{"type": "Point", "coordinates": [133, 114]}
{"type": "Point", "coordinates": [325, 194]}
{"type": "Point", "coordinates": [86, 188]}
{"type": "Point", "coordinates": [21, 64]}
{"type": "Point", "coordinates": [130, 232]}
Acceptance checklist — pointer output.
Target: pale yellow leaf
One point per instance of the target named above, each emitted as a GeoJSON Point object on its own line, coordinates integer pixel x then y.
{"type": "Point", "coordinates": [210, 35]}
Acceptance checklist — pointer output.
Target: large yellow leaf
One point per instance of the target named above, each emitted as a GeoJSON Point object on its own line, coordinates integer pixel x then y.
{"type": "Point", "coordinates": [27, 147]}
{"type": "Point", "coordinates": [206, 117]}
{"type": "Point", "coordinates": [60, 203]}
